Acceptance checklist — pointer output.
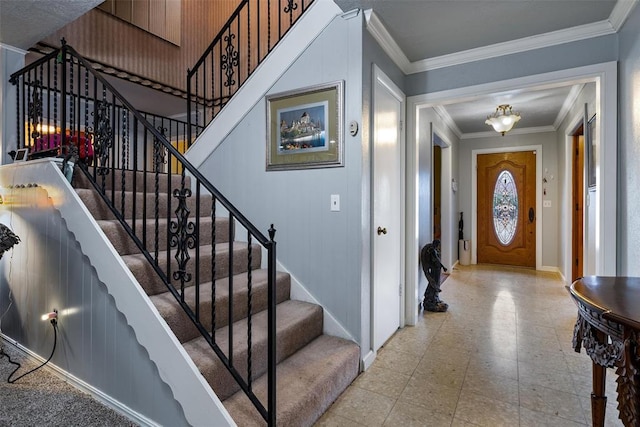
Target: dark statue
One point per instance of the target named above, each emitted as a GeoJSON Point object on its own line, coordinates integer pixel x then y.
{"type": "Point", "coordinates": [431, 265]}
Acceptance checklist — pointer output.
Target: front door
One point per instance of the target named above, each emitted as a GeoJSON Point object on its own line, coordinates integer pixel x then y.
{"type": "Point", "coordinates": [387, 226]}
{"type": "Point", "coordinates": [506, 208]}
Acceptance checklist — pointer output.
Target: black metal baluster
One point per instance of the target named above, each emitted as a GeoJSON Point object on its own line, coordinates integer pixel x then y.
{"type": "Point", "coordinates": [249, 308]}
{"type": "Point", "coordinates": [213, 268]}
{"type": "Point", "coordinates": [66, 143]}
{"type": "Point", "coordinates": [134, 211]}
{"type": "Point", "coordinates": [124, 153]}
{"type": "Point", "coordinates": [271, 326]}
{"type": "Point", "coordinates": [113, 157]}
{"type": "Point", "coordinates": [87, 130]}
{"type": "Point", "coordinates": [168, 214]}
{"type": "Point", "coordinates": [230, 272]}
{"type": "Point", "coordinates": [157, 162]}
{"type": "Point", "coordinates": [197, 246]}
{"type": "Point", "coordinates": [19, 127]}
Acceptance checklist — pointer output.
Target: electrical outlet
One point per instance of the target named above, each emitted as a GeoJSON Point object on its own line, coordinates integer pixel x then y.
{"type": "Point", "coordinates": [546, 204]}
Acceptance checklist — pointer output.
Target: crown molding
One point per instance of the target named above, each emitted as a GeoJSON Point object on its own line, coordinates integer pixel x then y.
{"type": "Point", "coordinates": [388, 44]}
{"type": "Point", "coordinates": [553, 38]}
{"type": "Point", "coordinates": [12, 49]}
{"type": "Point", "coordinates": [447, 120]}
{"type": "Point", "coordinates": [611, 25]}
{"type": "Point", "coordinates": [620, 12]}
{"type": "Point", "coordinates": [568, 102]}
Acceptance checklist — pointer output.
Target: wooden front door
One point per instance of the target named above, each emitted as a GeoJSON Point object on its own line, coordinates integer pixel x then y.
{"type": "Point", "coordinates": [506, 208]}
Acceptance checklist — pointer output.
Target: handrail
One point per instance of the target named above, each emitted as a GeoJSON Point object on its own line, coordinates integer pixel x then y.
{"type": "Point", "coordinates": [249, 35]}
{"type": "Point", "coordinates": [66, 107]}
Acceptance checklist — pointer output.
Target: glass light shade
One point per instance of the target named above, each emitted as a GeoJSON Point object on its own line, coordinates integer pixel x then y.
{"type": "Point", "coordinates": [503, 119]}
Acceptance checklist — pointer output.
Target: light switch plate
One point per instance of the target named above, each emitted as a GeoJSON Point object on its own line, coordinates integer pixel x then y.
{"type": "Point", "coordinates": [335, 202]}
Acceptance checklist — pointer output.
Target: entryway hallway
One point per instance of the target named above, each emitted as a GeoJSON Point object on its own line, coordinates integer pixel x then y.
{"type": "Point", "coordinates": [501, 356]}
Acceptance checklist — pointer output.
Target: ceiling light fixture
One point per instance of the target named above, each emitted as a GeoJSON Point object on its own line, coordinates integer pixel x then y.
{"type": "Point", "coordinates": [503, 119]}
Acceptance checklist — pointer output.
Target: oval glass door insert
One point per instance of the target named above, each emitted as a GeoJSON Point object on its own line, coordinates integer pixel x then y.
{"type": "Point", "coordinates": [505, 207]}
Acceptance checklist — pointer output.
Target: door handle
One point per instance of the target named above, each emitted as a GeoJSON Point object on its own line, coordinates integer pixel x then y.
{"type": "Point", "coordinates": [382, 230]}
{"type": "Point", "coordinates": [532, 215]}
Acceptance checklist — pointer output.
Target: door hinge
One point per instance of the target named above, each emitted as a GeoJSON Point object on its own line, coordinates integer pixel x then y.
{"type": "Point", "coordinates": [400, 289]}
{"type": "Point", "coordinates": [401, 125]}
{"type": "Point", "coordinates": [577, 262]}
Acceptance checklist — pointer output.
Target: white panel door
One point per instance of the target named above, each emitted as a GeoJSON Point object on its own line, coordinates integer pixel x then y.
{"type": "Point", "coordinates": [387, 226]}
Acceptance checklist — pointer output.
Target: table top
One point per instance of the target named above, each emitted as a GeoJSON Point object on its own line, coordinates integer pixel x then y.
{"type": "Point", "coordinates": [617, 297]}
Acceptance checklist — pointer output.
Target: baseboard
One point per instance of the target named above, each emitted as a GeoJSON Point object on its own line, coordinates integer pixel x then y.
{"type": "Point", "coordinates": [367, 360]}
{"type": "Point", "coordinates": [455, 264]}
{"type": "Point", "coordinates": [550, 269]}
{"type": "Point", "coordinates": [331, 325]}
{"type": "Point", "coordinates": [103, 398]}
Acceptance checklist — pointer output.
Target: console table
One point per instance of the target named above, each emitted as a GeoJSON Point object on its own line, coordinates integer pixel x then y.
{"type": "Point", "coordinates": [608, 327]}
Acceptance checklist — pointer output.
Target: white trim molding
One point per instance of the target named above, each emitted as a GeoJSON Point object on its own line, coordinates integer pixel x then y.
{"type": "Point", "coordinates": [611, 25]}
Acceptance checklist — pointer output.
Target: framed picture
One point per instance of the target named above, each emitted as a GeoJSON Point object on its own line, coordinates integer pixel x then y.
{"type": "Point", "coordinates": [304, 128]}
{"type": "Point", "coordinates": [591, 142]}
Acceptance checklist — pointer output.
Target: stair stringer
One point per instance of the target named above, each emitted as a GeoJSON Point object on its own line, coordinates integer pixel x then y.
{"type": "Point", "coordinates": [200, 404]}
{"type": "Point", "coordinates": [309, 26]}
{"type": "Point", "coordinates": [330, 325]}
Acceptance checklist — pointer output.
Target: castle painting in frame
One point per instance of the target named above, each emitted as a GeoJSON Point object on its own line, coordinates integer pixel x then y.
{"type": "Point", "coordinates": [304, 128]}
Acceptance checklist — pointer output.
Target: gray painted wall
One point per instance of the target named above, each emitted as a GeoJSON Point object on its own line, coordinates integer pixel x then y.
{"type": "Point", "coordinates": [629, 147]}
{"type": "Point", "coordinates": [554, 58]}
{"type": "Point", "coordinates": [48, 270]}
{"type": "Point", "coordinates": [326, 251]}
{"type": "Point", "coordinates": [548, 219]}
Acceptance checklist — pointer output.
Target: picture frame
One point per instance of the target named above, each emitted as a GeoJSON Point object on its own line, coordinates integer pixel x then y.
{"type": "Point", "coordinates": [305, 128]}
{"type": "Point", "coordinates": [591, 143]}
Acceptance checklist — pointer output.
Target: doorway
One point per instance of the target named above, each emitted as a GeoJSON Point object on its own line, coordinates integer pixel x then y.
{"type": "Point", "coordinates": [387, 193]}
{"type": "Point", "coordinates": [577, 227]}
{"type": "Point", "coordinates": [506, 206]}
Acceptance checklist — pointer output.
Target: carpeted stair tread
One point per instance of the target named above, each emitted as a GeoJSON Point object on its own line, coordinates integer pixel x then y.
{"type": "Point", "coordinates": [150, 282]}
{"type": "Point", "coordinates": [297, 323]}
{"type": "Point", "coordinates": [307, 383]}
{"type": "Point", "coordinates": [120, 239]}
{"type": "Point", "coordinates": [81, 181]}
{"type": "Point", "coordinates": [93, 201]}
{"type": "Point", "coordinates": [185, 330]}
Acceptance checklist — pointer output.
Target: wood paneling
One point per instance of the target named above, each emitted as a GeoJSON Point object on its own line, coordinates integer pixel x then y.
{"type": "Point", "coordinates": [107, 39]}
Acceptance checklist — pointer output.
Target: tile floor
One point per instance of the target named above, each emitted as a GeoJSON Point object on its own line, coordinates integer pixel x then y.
{"type": "Point", "coordinates": [501, 356]}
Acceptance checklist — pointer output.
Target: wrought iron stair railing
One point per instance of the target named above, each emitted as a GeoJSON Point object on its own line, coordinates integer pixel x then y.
{"type": "Point", "coordinates": [249, 35]}
{"type": "Point", "coordinates": [62, 102]}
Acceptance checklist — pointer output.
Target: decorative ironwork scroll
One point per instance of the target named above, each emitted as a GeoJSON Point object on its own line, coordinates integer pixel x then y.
{"type": "Point", "coordinates": [35, 109]}
{"type": "Point", "coordinates": [182, 235]}
{"type": "Point", "coordinates": [230, 61]}
{"type": "Point", "coordinates": [103, 137]}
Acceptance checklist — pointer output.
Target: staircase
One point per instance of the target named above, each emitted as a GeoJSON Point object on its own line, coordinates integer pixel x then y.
{"type": "Point", "coordinates": [312, 370]}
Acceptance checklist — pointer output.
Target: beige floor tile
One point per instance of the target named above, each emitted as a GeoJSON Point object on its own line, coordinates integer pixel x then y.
{"type": "Point", "coordinates": [382, 381]}
{"type": "Point", "coordinates": [406, 415]}
{"type": "Point", "coordinates": [457, 422]}
{"type": "Point", "coordinates": [529, 418]}
{"type": "Point", "coordinates": [493, 365]}
{"type": "Point", "coordinates": [429, 395]}
{"type": "Point", "coordinates": [492, 386]}
{"type": "Point", "coordinates": [560, 380]}
{"type": "Point", "coordinates": [484, 411]}
{"type": "Point", "coordinates": [439, 372]}
{"type": "Point", "coordinates": [553, 360]}
{"type": "Point", "coordinates": [399, 361]}
{"type": "Point", "coordinates": [551, 401]}
{"type": "Point", "coordinates": [329, 419]}
{"type": "Point", "coordinates": [363, 406]}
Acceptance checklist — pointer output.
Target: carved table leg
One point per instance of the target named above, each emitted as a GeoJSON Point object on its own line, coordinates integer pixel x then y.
{"type": "Point", "coordinates": [629, 380]}
{"type": "Point", "coordinates": [598, 396]}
